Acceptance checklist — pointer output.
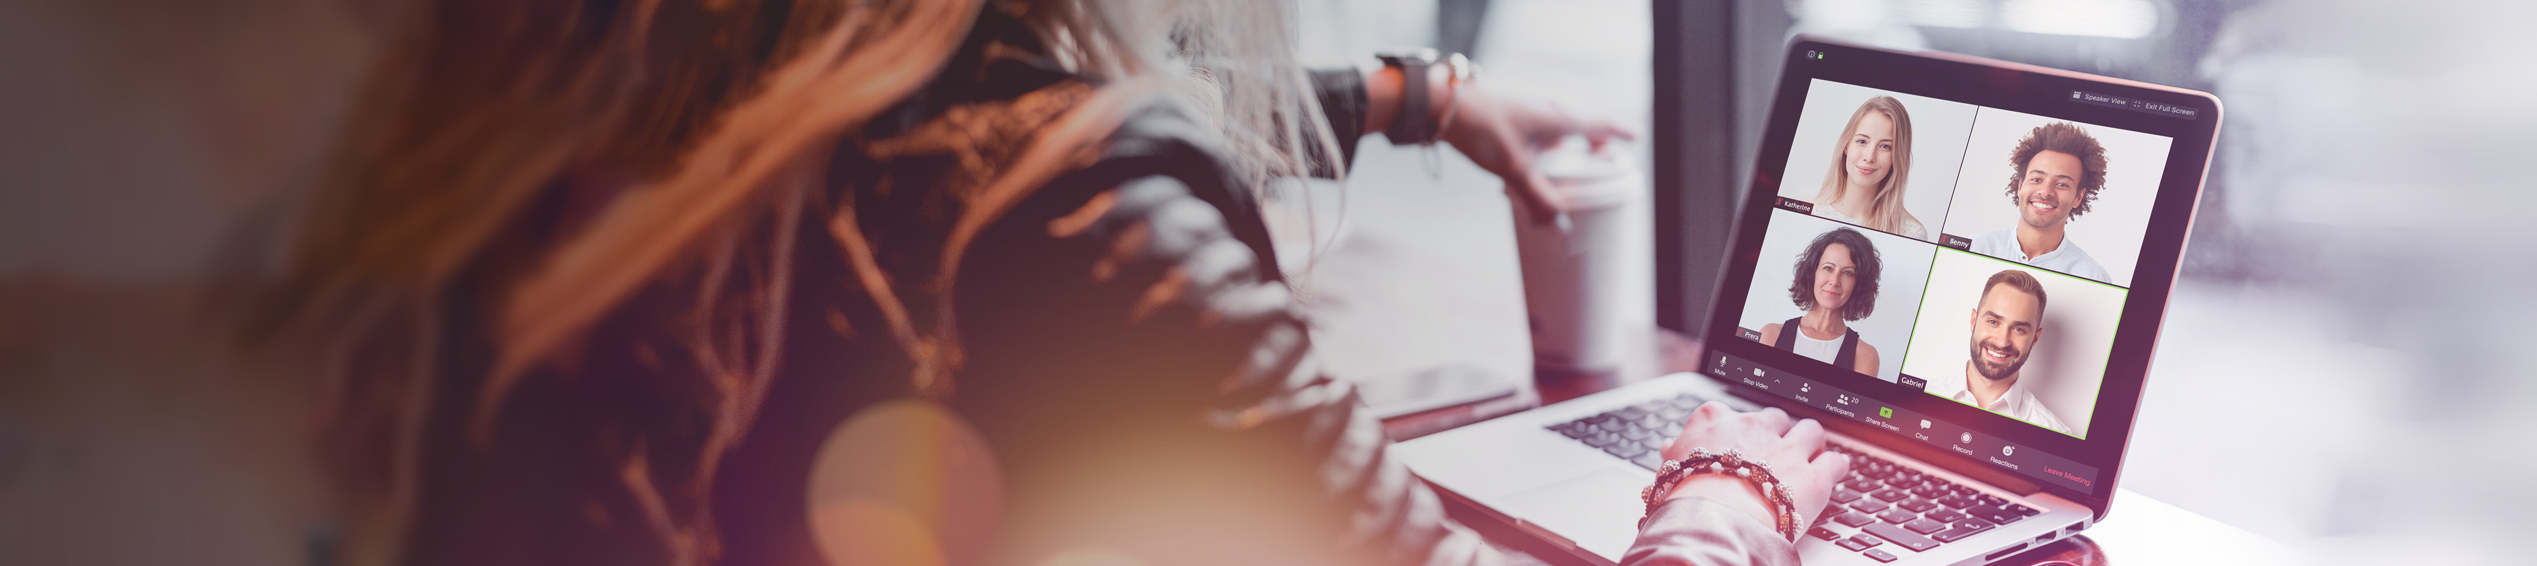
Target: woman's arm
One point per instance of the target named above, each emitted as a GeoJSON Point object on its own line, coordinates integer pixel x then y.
{"type": "Point", "coordinates": [1132, 323]}
{"type": "Point", "coordinates": [1499, 134]}
{"type": "Point", "coordinates": [1867, 361]}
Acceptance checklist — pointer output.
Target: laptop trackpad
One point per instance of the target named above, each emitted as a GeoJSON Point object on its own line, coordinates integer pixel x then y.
{"type": "Point", "coordinates": [1598, 511]}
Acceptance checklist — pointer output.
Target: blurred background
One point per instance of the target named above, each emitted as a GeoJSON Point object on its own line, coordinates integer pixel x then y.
{"type": "Point", "coordinates": [2336, 374]}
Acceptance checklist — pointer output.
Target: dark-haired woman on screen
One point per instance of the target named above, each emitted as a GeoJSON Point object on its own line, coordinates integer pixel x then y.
{"type": "Point", "coordinates": [1835, 283]}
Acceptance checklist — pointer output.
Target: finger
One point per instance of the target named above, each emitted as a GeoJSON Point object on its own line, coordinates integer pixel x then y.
{"type": "Point", "coordinates": [1832, 467]}
{"type": "Point", "coordinates": [1543, 197]}
{"type": "Point", "coordinates": [1600, 132]}
{"type": "Point", "coordinates": [1711, 410]}
{"type": "Point", "coordinates": [1777, 420]}
{"type": "Point", "coordinates": [1808, 435]}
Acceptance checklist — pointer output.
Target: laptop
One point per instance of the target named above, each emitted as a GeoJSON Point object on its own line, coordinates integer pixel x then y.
{"type": "Point", "coordinates": [1958, 265]}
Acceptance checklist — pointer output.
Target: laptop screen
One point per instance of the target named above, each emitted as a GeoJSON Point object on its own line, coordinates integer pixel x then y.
{"type": "Point", "coordinates": [1954, 267]}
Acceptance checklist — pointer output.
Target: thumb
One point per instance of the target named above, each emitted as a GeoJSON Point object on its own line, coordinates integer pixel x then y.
{"type": "Point", "coordinates": [1540, 196]}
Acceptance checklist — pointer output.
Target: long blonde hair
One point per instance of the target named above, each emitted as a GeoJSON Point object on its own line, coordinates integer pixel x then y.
{"type": "Point", "coordinates": [721, 113]}
{"type": "Point", "coordinates": [1886, 213]}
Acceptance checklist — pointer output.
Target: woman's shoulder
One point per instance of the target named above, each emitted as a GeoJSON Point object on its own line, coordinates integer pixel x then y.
{"type": "Point", "coordinates": [1159, 142]}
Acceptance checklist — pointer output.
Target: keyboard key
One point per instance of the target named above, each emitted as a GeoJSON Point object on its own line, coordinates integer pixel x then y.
{"type": "Point", "coordinates": [1870, 506]}
{"type": "Point", "coordinates": [1650, 460]}
{"type": "Point", "coordinates": [1897, 516]}
{"type": "Point", "coordinates": [1866, 541]}
{"type": "Point", "coordinates": [1916, 505]}
{"type": "Point", "coordinates": [1958, 533]}
{"type": "Point", "coordinates": [1845, 496]}
{"type": "Point", "coordinates": [1925, 526]}
{"type": "Point", "coordinates": [1624, 450]}
{"type": "Point", "coordinates": [1973, 523]}
{"type": "Point", "coordinates": [1945, 515]}
{"type": "Point", "coordinates": [1863, 485]}
{"type": "Point", "coordinates": [1656, 443]}
{"type": "Point", "coordinates": [1902, 537]}
{"type": "Point", "coordinates": [1993, 514]}
{"type": "Point", "coordinates": [1954, 502]}
{"type": "Point", "coordinates": [1823, 533]}
{"type": "Point", "coordinates": [1575, 430]}
{"type": "Point", "coordinates": [1852, 544]}
{"type": "Point", "coordinates": [1631, 413]}
{"type": "Point", "coordinates": [1854, 519]}
{"type": "Point", "coordinates": [1890, 494]}
{"type": "Point", "coordinates": [2022, 510]}
{"type": "Point", "coordinates": [1879, 554]}
{"type": "Point", "coordinates": [1602, 440]}
{"type": "Point", "coordinates": [1991, 500]}
{"type": "Point", "coordinates": [1658, 423]}
{"type": "Point", "coordinates": [1636, 433]}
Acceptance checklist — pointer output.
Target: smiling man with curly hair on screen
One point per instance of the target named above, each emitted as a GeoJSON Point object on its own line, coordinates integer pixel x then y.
{"type": "Point", "coordinates": [2059, 171]}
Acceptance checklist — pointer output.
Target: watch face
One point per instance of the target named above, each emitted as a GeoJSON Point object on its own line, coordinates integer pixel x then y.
{"type": "Point", "coordinates": [1409, 54]}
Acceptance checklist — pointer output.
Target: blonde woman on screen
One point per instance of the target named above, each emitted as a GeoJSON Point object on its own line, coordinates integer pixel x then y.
{"type": "Point", "coordinates": [1870, 164]}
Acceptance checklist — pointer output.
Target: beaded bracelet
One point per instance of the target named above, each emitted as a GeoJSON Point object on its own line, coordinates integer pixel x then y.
{"type": "Point", "coordinates": [1731, 462]}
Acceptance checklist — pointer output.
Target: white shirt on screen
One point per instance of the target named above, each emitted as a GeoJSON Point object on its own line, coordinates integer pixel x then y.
{"type": "Point", "coordinates": [1911, 227]}
{"type": "Point", "coordinates": [1824, 350]}
{"type": "Point", "coordinates": [2068, 258]}
{"type": "Point", "coordinates": [2017, 403]}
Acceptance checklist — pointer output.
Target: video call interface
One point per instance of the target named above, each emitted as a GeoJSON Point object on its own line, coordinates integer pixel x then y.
{"type": "Point", "coordinates": [1977, 254]}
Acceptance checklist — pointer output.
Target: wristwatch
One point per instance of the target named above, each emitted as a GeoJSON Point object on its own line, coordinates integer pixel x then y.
{"type": "Point", "coordinates": [1412, 124]}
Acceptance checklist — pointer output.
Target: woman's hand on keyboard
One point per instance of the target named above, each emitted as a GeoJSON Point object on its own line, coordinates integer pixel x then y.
{"type": "Point", "coordinates": [1794, 450]}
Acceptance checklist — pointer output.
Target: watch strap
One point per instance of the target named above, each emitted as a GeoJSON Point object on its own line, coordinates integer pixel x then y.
{"type": "Point", "coordinates": [1414, 123]}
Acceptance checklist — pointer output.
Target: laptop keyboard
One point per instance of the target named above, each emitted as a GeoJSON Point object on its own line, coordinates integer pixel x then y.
{"type": "Point", "coordinates": [1880, 503]}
